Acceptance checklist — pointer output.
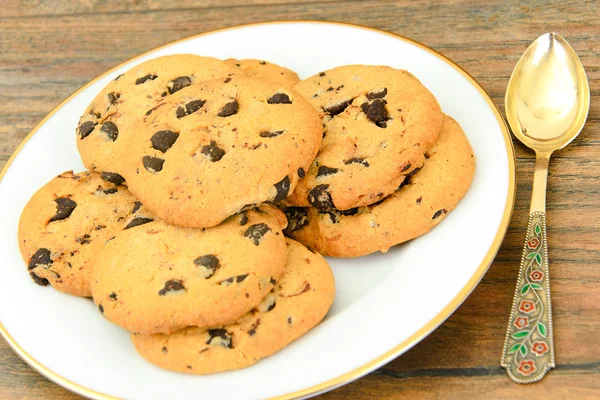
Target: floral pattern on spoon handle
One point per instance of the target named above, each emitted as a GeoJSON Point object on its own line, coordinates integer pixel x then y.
{"type": "Point", "coordinates": [529, 345]}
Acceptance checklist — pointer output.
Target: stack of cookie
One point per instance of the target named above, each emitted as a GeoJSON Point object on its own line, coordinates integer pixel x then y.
{"type": "Point", "coordinates": [177, 229]}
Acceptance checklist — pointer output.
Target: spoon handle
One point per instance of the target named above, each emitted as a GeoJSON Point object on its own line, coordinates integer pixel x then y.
{"type": "Point", "coordinates": [529, 345]}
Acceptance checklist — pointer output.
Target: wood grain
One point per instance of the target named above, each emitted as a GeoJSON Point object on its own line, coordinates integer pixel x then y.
{"type": "Point", "coordinates": [50, 48]}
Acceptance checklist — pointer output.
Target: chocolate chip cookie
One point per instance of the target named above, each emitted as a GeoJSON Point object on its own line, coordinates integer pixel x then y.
{"type": "Point", "coordinates": [212, 149]}
{"type": "Point", "coordinates": [158, 278]}
{"type": "Point", "coordinates": [110, 119]}
{"type": "Point", "coordinates": [378, 122]}
{"type": "Point", "coordinates": [66, 222]}
{"type": "Point", "coordinates": [418, 205]}
{"type": "Point", "coordinates": [265, 70]}
{"type": "Point", "coordinates": [299, 301]}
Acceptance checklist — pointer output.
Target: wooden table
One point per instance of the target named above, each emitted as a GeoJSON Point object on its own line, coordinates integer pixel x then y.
{"type": "Point", "coordinates": [50, 48]}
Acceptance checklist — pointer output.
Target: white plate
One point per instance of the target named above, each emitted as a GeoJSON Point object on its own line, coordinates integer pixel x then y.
{"type": "Point", "coordinates": [385, 304]}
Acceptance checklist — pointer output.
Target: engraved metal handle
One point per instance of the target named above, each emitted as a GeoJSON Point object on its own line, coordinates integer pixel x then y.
{"type": "Point", "coordinates": [528, 352]}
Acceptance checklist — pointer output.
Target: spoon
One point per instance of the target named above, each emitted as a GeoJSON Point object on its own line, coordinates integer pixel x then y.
{"type": "Point", "coordinates": [547, 102]}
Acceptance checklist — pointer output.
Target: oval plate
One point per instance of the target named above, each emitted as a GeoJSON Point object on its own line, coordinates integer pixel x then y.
{"type": "Point", "coordinates": [385, 303]}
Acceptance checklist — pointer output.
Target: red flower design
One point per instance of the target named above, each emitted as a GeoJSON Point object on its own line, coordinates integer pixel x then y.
{"type": "Point", "coordinates": [533, 243]}
{"type": "Point", "coordinates": [540, 348]}
{"type": "Point", "coordinates": [527, 367]}
{"type": "Point", "coordinates": [536, 275]}
{"type": "Point", "coordinates": [521, 322]}
{"type": "Point", "coordinates": [527, 306]}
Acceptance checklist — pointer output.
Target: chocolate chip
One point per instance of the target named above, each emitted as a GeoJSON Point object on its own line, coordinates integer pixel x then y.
{"type": "Point", "coordinates": [267, 134]}
{"type": "Point", "coordinates": [334, 215]}
{"type": "Point", "coordinates": [110, 130]}
{"type": "Point", "coordinates": [229, 109]}
{"type": "Point", "coordinates": [324, 171]}
{"type": "Point", "coordinates": [297, 218]}
{"type": "Point", "coordinates": [136, 206]}
{"type": "Point", "coordinates": [113, 178]}
{"type": "Point", "coordinates": [64, 208]}
{"type": "Point", "coordinates": [357, 160]}
{"type": "Point", "coordinates": [439, 213]}
{"type": "Point", "coordinates": [149, 77]}
{"type": "Point", "coordinates": [405, 167]}
{"type": "Point", "coordinates": [289, 320]}
{"type": "Point", "coordinates": [320, 198]}
{"type": "Point", "coordinates": [279, 98]}
{"type": "Point", "coordinates": [178, 83]}
{"type": "Point", "coordinates": [209, 262]}
{"type": "Point", "coordinates": [113, 97]}
{"type": "Point", "coordinates": [85, 239]}
{"type": "Point", "coordinates": [101, 308]}
{"type": "Point", "coordinates": [119, 76]}
{"type": "Point", "coordinates": [219, 337]}
{"type": "Point", "coordinates": [419, 200]}
{"type": "Point", "coordinates": [137, 221]}
{"type": "Point", "coordinates": [194, 106]}
{"type": "Point", "coordinates": [86, 128]}
{"type": "Point", "coordinates": [321, 73]}
{"type": "Point", "coordinates": [243, 219]}
{"type": "Point", "coordinates": [252, 330]}
{"type": "Point", "coordinates": [256, 232]}
{"type": "Point", "coordinates": [301, 173]}
{"type": "Point", "coordinates": [41, 257]}
{"type": "Point", "coordinates": [212, 151]}
{"type": "Point", "coordinates": [227, 80]}
{"type": "Point", "coordinates": [112, 296]}
{"type": "Point", "coordinates": [377, 94]}
{"type": "Point", "coordinates": [100, 227]}
{"type": "Point", "coordinates": [171, 286]}
{"type": "Point", "coordinates": [349, 212]}
{"type": "Point", "coordinates": [283, 188]}
{"type": "Point", "coordinates": [262, 62]}
{"type": "Point", "coordinates": [179, 113]}
{"type": "Point", "coordinates": [273, 281]}
{"type": "Point", "coordinates": [338, 108]}
{"type": "Point", "coordinates": [376, 112]}
{"type": "Point", "coordinates": [164, 350]}
{"type": "Point", "coordinates": [110, 191]}
{"type": "Point", "coordinates": [241, 278]}
{"type": "Point", "coordinates": [153, 164]}
{"type": "Point", "coordinates": [163, 140]}
{"type": "Point", "coordinates": [330, 89]}
{"type": "Point", "coordinates": [38, 280]}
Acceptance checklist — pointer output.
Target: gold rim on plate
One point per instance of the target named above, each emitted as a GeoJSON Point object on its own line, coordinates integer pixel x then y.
{"type": "Point", "coordinates": [394, 352]}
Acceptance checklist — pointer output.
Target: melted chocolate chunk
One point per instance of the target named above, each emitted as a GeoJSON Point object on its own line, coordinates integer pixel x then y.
{"type": "Point", "coordinates": [86, 128]}
{"type": "Point", "coordinates": [338, 108]}
{"type": "Point", "coordinates": [110, 130]}
{"type": "Point", "coordinates": [279, 98]}
{"type": "Point", "coordinates": [209, 262]}
{"type": "Point", "coordinates": [256, 232]}
{"type": "Point", "coordinates": [229, 109]}
{"type": "Point", "coordinates": [153, 164]}
{"type": "Point", "coordinates": [376, 112]}
{"type": "Point", "coordinates": [136, 206]}
{"type": "Point", "coordinates": [113, 178]}
{"type": "Point", "coordinates": [379, 94]}
{"type": "Point", "coordinates": [41, 257]}
{"type": "Point", "coordinates": [164, 140]}
{"type": "Point", "coordinates": [38, 280]}
{"type": "Point", "coordinates": [213, 152]}
{"type": "Point", "coordinates": [439, 213]}
{"type": "Point", "coordinates": [324, 171]}
{"type": "Point", "coordinates": [64, 208]}
{"type": "Point", "coordinates": [220, 337]}
{"type": "Point", "coordinates": [297, 218]}
{"type": "Point", "coordinates": [320, 198]}
{"type": "Point", "coordinates": [357, 160]}
{"type": "Point", "coordinates": [179, 83]}
{"type": "Point", "coordinates": [267, 134]}
{"type": "Point", "coordinates": [149, 77]}
{"type": "Point", "coordinates": [137, 221]}
{"type": "Point", "coordinates": [283, 188]}
{"type": "Point", "coordinates": [171, 286]}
